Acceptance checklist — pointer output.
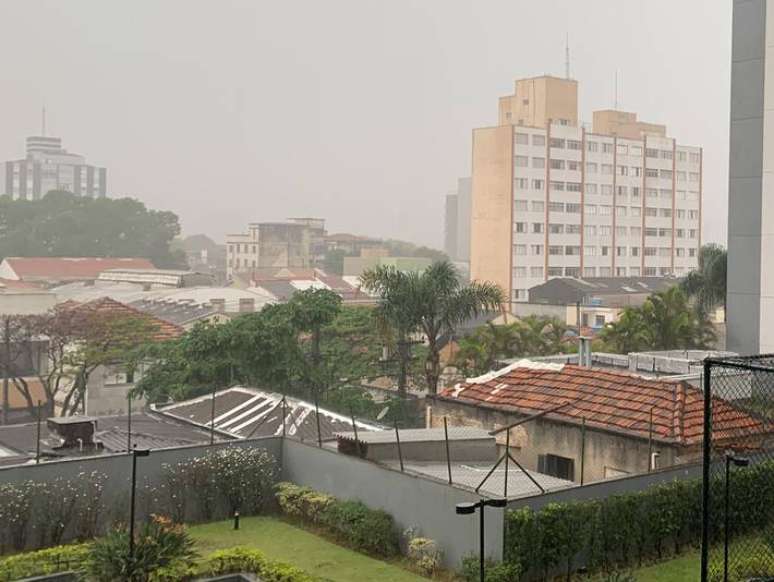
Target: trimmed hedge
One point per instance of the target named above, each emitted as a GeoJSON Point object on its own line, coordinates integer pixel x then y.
{"type": "Point", "coordinates": [369, 530]}
{"type": "Point", "coordinates": [233, 560]}
{"type": "Point", "coordinates": [625, 530]}
{"type": "Point", "coordinates": [40, 562]}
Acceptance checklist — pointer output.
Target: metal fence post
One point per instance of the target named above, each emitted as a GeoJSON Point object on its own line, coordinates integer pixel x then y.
{"type": "Point", "coordinates": [397, 440]}
{"type": "Point", "coordinates": [707, 458]}
{"type": "Point", "coordinates": [583, 449]}
{"type": "Point", "coordinates": [37, 438]}
{"type": "Point", "coordinates": [507, 458]}
{"type": "Point", "coordinates": [448, 458]}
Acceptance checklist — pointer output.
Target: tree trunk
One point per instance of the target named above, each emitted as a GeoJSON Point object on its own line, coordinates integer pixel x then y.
{"type": "Point", "coordinates": [6, 366]}
{"type": "Point", "coordinates": [432, 365]}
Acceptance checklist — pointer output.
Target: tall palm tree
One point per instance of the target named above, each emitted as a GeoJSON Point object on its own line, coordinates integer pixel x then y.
{"type": "Point", "coordinates": [433, 302]}
{"type": "Point", "coordinates": [707, 284]}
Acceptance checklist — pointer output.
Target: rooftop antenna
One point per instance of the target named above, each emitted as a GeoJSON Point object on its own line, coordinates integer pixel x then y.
{"type": "Point", "coordinates": [567, 55]}
{"type": "Point", "coordinates": [43, 122]}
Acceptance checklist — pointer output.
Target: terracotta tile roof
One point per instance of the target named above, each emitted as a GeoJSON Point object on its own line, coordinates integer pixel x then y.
{"type": "Point", "coordinates": [70, 268]}
{"type": "Point", "coordinates": [164, 329]}
{"type": "Point", "coordinates": [14, 284]}
{"type": "Point", "coordinates": [606, 399]}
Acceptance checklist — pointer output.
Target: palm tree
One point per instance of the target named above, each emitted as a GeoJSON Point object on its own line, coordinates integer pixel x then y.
{"type": "Point", "coordinates": [665, 321]}
{"type": "Point", "coordinates": [707, 284]}
{"type": "Point", "coordinates": [432, 302]}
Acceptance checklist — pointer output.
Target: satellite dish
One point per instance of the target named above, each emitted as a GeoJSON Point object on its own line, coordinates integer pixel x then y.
{"type": "Point", "coordinates": [383, 413]}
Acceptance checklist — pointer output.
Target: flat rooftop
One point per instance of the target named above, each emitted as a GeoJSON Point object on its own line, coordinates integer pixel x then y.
{"type": "Point", "coordinates": [418, 435]}
{"type": "Point", "coordinates": [469, 475]}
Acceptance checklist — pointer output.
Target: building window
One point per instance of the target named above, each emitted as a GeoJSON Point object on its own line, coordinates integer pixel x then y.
{"type": "Point", "coordinates": [620, 271]}
{"type": "Point", "coordinates": [590, 230]}
{"type": "Point", "coordinates": [520, 294]}
{"type": "Point", "coordinates": [556, 206]}
{"type": "Point", "coordinates": [592, 146]}
{"type": "Point", "coordinates": [557, 143]}
{"type": "Point", "coordinates": [650, 231]}
{"type": "Point", "coordinates": [665, 212]}
{"type": "Point", "coordinates": [520, 227]}
{"type": "Point", "coordinates": [621, 190]}
{"type": "Point", "coordinates": [557, 466]}
{"type": "Point", "coordinates": [650, 251]}
{"type": "Point", "coordinates": [520, 205]}
{"type": "Point", "coordinates": [623, 149]}
{"type": "Point", "coordinates": [681, 156]}
{"type": "Point", "coordinates": [573, 144]}
{"type": "Point", "coordinates": [691, 253]}
{"type": "Point", "coordinates": [572, 228]}
{"type": "Point", "coordinates": [537, 227]}
{"type": "Point", "coordinates": [557, 186]}
{"type": "Point", "coordinates": [572, 272]}
{"type": "Point", "coordinates": [607, 168]}
{"type": "Point", "coordinates": [681, 176]}
{"type": "Point", "coordinates": [605, 251]}
{"type": "Point", "coordinates": [539, 163]}
{"type": "Point", "coordinates": [536, 272]}
{"type": "Point", "coordinates": [635, 251]}
{"type": "Point", "coordinates": [537, 250]}
{"type": "Point", "coordinates": [521, 183]}
{"type": "Point", "coordinates": [695, 157]}
{"type": "Point", "coordinates": [556, 228]}
{"type": "Point", "coordinates": [620, 251]}
{"type": "Point", "coordinates": [591, 188]}
{"type": "Point", "coordinates": [538, 206]}
{"type": "Point", "coordinates": [590, 209]}
{"type": "Point", "coordinates": [589, 271]}
{"type": "Point", "coordinates": [680, 252]}
{"type": "Point", "coordinates": [522, 138]}
{"type": "Point", "coordinates": [520, 272]}
{"type": "Point", "coordinates": [606, 189]}
{"type": "Point", "coordinates": [555, 250]}
{"type": "Point", "coordinates": [605, 210]}
{"type": "Point", "coordinates": [635, 192]}
{"type": "Point", "coordinates": [620, 230]}
{"type": "Point", "coordinates": [591, 167]}
{"type": "Point", "coordinates": [572, 208]}
{"type": "Point", "coordinates": [666, 154]}
{"type": "Point", "coordinates": [607, 148]}
{"type": "Point", "coordinates": [554, 271]}
{"type": "Point", "coordinates": [636, 150]}
{"type": "Point", "coordinates": [538, 140]}
{"type": "Point", "coordinates": [520, 250]}
{"type": "Point", "coordinates": [620, 210]}
{"type": "Point", "coordinates": [538, 184]}
{"type": "Point", "coordinates": [522, 161]}
{"type": "Point", "coordinates": [680, 233]}
{"type": "Point", "coordinates": [651, 173]}
{"type": "Point", "coordinates": [573, 166]}
{"type": "Point", "coordinates": [635, 171]}
{"type": "Point", "coordinates": [635, 231]}
{"type": "Point", "coordinates": [666, 174]}
{"type": "Point", "coordinates": [573, 187]}
{"type": "Point", "coordinates": [694, 176]}
{"type": "Point", "coordinates": [623, 170]}
{"type": "Point", "coordinates": [605, 271]}
{"type": "Point", "coordinates": [651, 153]}
{"type": "Point", "coordinates": [557, 164]}
{"type": "Point", "coordinates": [589, 251]}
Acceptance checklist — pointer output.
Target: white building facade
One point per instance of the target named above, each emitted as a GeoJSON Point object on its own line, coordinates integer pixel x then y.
{"type": "Point", "coordinates": [588, 205]}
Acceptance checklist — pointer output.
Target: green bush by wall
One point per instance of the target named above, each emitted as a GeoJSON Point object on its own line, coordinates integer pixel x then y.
{"type": "Point", "coordinates": [624, 530]}
{"type": "Point", "coordinates": [369, 530]}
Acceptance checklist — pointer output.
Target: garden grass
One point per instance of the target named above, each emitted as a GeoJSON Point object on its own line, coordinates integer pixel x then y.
{"type": "Point", "coordinates": [283, 542]}
{"type": "Point", "coordinates": [683, 568]}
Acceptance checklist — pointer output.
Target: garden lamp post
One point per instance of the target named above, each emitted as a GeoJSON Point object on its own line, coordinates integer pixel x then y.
{"type": "Point", "coordinates": [737, 462]}
{"type": "Point", "coordinates": [135, 453]}
{"type": "Point", "coordinates": [467, 509]}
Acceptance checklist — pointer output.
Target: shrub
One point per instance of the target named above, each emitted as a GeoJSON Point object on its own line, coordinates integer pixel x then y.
{"type": "Point", "coordinates": [624, 530]}
{"type": "Point", "coordinates": [494, 571]}
{"type": "Point", "coordinates": [240, 559]}
{"type": "Point", "coordinates": [40, 562]}
{"type": "Point", "coordinates": [159, 544]}
{"type": "Point", "coordinates": [369, 530]}
{"type": "Point", "coordinates": [425, 555]}
{"type": "Point", "coordinates": [216, 484]}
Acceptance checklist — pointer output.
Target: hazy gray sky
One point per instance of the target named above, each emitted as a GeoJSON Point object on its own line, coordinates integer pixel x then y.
{"type": "Point", "coordinates": [359, 111]}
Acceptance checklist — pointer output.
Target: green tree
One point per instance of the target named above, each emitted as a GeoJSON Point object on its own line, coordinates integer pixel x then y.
{"type": "Point", "coordinates": [63, 224]}
{"type": "Point", "coordinates": [707, 284]}
{"type": "Point", "coordinates": [665, 321]}
{"type": "Point", "coordinates": [432, 302]}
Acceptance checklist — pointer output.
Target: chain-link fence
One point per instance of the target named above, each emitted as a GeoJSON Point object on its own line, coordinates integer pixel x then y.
{"type": "Point", "coordinates": [738, 483]}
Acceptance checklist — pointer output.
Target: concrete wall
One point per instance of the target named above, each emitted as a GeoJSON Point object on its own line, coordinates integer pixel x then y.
{"type": "Point", "coordinates": [561, 312]}
{"type": "Point", "coordinates": [470, 450]}
{"type": "Point", "coordinates": [605, 454]}
{"type": "Point", "coordinates": [411, 500]}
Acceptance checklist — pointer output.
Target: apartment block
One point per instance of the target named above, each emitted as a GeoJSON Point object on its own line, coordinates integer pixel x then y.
{"type": "Point", "coordinates": [298, 243]}
{"type": "Point", "coordinates": [457, 222]}
{"type": "Point", "coordinates": [48, 166]}
{"type": "Point", "coordinates": [552, 197]}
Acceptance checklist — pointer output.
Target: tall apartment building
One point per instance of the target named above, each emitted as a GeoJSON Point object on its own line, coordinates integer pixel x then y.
{"type": "Point", "coordinates": [750, 289]}
{"type": "Point", "coordinates": [554, 198]}
{"type": "Point", "coordinates": [268, 245]}
{"type": "Point", "coordinates": [48, 166]}
{"type": "Point", "coordinates": [457, 222]}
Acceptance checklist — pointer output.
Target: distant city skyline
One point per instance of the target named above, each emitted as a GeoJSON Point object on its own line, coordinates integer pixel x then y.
{"type": "Point", "coordinates": [359, 112]}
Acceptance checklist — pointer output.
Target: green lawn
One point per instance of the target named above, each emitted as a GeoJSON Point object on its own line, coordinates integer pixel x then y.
{"type": "Point", "coordinates": [684, 567]}
{"type": "Point", "coordinates": [286, 543]}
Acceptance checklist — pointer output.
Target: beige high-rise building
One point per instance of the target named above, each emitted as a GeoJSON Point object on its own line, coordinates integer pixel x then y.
{"type": "Point", "coordinates": [555, 198]}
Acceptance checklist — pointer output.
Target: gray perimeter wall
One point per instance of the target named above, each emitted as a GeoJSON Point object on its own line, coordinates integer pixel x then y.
{"type": "Point", "coordinates": [603, 489]}
{"type": "Point", "coordinates": [411, 500]}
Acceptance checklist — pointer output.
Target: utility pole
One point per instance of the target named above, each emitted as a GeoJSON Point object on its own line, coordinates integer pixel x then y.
{"type": "Point", "coordinates": [316, 381]}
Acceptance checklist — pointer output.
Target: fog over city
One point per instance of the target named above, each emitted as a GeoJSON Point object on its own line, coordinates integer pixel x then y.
{"type": "Point", "coordinates": [357, 111]}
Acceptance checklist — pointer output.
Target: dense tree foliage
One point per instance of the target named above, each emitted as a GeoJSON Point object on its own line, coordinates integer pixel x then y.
{"type": "Point", "coordinates": [432, 303]}
{"type": "Point", "coordinates": [665, 321]}
{"type": "Point", "coordinates": [62, 224]}
{"type": "Point", "coordinates": [530, 336]}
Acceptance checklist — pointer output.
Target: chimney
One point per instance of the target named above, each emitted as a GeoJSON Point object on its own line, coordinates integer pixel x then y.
{"type": "Point", "coordinates": [76, 432]}
{"type": "Point", "coordinates": [218, 304]}
{"type": "Point", "coordinates": [584, 351]}
{"type": "Point", "coordinates": [246, 305]}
